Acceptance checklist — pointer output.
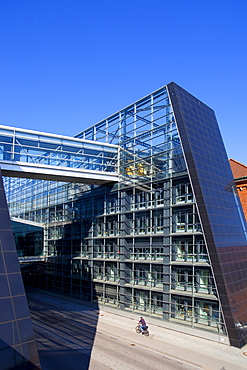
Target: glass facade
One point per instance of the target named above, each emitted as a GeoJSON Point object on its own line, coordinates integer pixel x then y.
{"type": "Point", "coordinates": [37, 155]}
{"type": "Point", "coordinates": [29, 238]}
{"type": "Point", "coordinates": [157, 242]}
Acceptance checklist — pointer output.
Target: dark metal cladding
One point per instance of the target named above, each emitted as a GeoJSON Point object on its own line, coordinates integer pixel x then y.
{"type": "Point", "coordinates": [17, 344]}
{"type": "Point", "coordinates": [218, 205]}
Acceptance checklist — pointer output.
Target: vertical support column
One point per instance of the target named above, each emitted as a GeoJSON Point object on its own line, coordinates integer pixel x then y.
{"type": "Point", "coordinates": [166, 278]}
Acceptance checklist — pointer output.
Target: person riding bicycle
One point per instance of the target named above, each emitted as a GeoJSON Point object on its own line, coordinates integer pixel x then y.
{"type": "Point", "coordinates": [142, 324]}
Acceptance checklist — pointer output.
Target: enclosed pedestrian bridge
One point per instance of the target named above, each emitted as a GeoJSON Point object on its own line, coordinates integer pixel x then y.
{"type": "Point", "coordinates": [38, 155]}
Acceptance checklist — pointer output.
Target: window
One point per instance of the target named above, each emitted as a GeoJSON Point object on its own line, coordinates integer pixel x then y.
{"type": "Point", "coordinates": [98, 271]}
{"type": "Point", "coordinates": [207, 313]}
{"type": "Point", "coordinates": [98, 249]}
{"type": "Point", "coordinates": [159, 197]}
{"type": "Point", "coordinates": [185, 221]}
{"type": "Point", "coordinates": [111, 227]}
{"type": "Point", "coordinates": [111, 205]}
{"type": "Point", "coordinates": [201, 281]}
{"type": "Point", "coordinates": [158, 220]}
{"type": "Point", "coordinates": [205, 281]}
{"type": "Point", "coordinates": [110, 250]}
{"type": "Point", "coordinates": [143, 223]}
{"type": "Point", "coordinates": [111, 272]}
{"type": "Point", "coordinates": [99, 227]}
{"type": "Point", "coordinates": [157, 253]}
{"type": "Point", "coordinates": [111, 295]}
{"type": "Point", "coordinates": [182, 309]}
{"type": "Point", "coordinates": [55, 232]}
{"type": "Point", "coordinates": [182, 193]}
{"type": "Point", "coordinates": [157, 276]}
{"type": "Point", "coordinates": [202, 254]}
{"type": "Point", "coordinates": [180, 221]}
{"type": "Point", "coordinates": [183, 249]}
{"type": "Point", "coordinates": [141, 275]}
{"type": "Point", "coordinates": [141, 201]}
{"type": "Point", "coordinates": [141, 300]}
{"type": "Point", "coordinates": [141, 253]}
{"type": "Point", "coordinates": [156, 303]}
{"type": "Point", "coordinates": [183, 279]}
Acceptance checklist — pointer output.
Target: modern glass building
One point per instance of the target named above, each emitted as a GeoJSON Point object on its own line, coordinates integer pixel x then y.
{"type": "Point", "coordinates": [167, 240]}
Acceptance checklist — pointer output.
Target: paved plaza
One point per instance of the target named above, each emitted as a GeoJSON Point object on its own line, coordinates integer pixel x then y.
{"type": "Point", "coordinates": [71, 335]}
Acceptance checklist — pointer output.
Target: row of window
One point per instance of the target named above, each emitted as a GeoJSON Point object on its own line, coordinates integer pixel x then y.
{"type": "Point", "coordinates": [136, 253]}
{"type": "Point", "coordinates": [185, 223]}
{"type": "Point", "coordinates": [196, 280]}
{"type": "Point", "coordinates": [182, 221]}
{"type": "Point", "coordinates": [48, 195]}
{"type": "Point", "coordinates": [192, 311]}
{"type": "Point", "coordinates": [182, 193]}
{"type": "Point", "coordinates": [197, 313]}
{"type": "Point", "coordinates": [179, 251]}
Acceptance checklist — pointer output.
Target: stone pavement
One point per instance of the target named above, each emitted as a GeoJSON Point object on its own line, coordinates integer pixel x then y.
{"type": "Point", "coordinates": [203, 353]}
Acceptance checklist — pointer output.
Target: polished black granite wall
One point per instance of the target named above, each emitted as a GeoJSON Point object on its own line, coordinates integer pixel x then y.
{"type": "Point", "coordinates": [17, 344]}
{"type": "Point", "coordinates": [218, 206]}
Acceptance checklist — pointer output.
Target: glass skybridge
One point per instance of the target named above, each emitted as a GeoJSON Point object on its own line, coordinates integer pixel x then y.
{"type": "Point", "coordinates": [38, 155]}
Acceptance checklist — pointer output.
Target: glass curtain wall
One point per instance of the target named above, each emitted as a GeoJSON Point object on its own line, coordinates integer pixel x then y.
{"type": "Point", "coordinates": [138, 244]}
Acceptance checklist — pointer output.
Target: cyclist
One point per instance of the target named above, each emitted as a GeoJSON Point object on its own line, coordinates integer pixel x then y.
{"type": "Point", "coordinates": [142, 323]}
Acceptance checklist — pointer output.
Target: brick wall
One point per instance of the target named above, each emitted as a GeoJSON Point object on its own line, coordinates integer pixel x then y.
{"type": "Point", "coordinates": [242, 192]}
{"type": "Point", "coordinates": [239, 171]}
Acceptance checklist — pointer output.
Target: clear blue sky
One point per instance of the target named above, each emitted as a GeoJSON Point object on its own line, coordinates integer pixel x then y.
{"type": "Point", "coordinates": [67, 64]}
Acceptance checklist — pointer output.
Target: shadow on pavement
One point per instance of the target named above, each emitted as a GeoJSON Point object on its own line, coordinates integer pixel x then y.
{"type": "Point", "coordinates": [64, 330]}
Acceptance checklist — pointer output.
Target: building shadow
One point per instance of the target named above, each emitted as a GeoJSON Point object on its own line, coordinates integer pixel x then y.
{"type": "Point", "coordinates": [64, 326]}
{"type": "Point", "coordinates": [64, 330]}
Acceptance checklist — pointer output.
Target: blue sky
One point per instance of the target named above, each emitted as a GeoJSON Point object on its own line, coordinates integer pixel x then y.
{"type": "Point", "coordinates": [67, 64]}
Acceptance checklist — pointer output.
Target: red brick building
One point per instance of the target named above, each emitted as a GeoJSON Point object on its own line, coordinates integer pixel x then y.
{"type": "Point", "coordinates": [239, 171]}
